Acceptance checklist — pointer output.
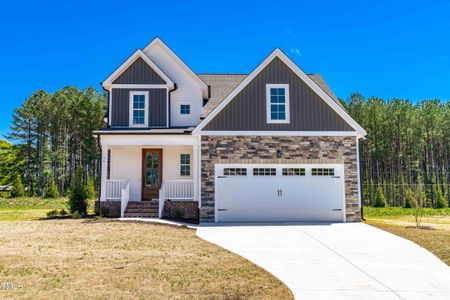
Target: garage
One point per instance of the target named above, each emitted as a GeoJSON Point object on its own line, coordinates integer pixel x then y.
{"type": "Point", "coordinates": [279, 192]}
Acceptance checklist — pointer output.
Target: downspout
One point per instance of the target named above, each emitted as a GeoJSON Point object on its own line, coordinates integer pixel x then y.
{"type": "Point", "coordinates": [360, 179]}
{"type": "Point", "coordinates": [170, 91]}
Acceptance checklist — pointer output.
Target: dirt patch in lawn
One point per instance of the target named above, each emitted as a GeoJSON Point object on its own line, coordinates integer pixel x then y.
{"type": "Point", "coordinates": [79, 259]}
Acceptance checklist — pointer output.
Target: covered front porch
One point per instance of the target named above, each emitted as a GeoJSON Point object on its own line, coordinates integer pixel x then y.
{"type": "Point", "coordinates": [150, 175]}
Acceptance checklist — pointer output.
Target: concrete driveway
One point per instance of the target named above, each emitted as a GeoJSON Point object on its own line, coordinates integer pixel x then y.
{"type": "Point", "coordinates": [337, 261]}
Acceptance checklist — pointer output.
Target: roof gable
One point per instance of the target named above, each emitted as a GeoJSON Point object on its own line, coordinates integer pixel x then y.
{"type": "Point", "coordinates": [137, 62]}
{"type": "Point", "coordinates": [313, 86]}
{"type": "Point", "coordinates": [157, 42]}
{"type": "Point", "coordinates": [139, 72]}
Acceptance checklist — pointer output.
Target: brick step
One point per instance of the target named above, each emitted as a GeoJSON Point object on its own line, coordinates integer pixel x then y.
{"type": "Point", "coordinates": [141, 215]}
{"type": "Point", "coordinates": [153, 211]}
{"type": "Point", "coordinates": [142, 206]}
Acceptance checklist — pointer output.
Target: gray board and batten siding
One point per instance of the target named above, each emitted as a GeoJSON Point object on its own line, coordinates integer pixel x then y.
{"type": "Point", "coordinates": [247, 111]}
{"type": "Point", "coordinates": [157, 110]}
{"type": "Point", "coordinates": [139, 72]}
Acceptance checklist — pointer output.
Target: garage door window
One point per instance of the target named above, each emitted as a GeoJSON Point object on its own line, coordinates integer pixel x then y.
{"type": "Point", "coordinates": [293, 172]}
{"type": "Point", "coordinates": [322, 172]}
{"type": "Point", "coordinates": [235, 172]}
{"type": "Point", "coordinates": [264, 172]}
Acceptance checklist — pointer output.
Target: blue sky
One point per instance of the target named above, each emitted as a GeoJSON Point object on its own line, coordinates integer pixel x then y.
{"type": "Point", "coordinates": [378, 48]}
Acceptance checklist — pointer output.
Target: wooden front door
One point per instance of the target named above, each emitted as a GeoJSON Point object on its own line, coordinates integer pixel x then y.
{"type": "Point", "coordinates": [151, 173]}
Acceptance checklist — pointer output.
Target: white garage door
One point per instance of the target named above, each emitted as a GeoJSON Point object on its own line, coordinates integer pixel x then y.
{"type": "Point", "coordinates": [264, 192]}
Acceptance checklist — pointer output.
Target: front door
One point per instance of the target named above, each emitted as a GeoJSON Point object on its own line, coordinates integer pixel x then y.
{"type": "Point", "coordinates": [151, 173]}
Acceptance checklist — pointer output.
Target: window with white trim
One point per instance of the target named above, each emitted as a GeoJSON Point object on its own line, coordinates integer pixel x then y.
{"type": "Point", "coordinates": [277, 103]}
{"type": "Point", "coordinates": [138, 109]}
{"type": "Point", "coordinates": [185, 165]}
{"type": "Point", "coordinates": [185, 109]}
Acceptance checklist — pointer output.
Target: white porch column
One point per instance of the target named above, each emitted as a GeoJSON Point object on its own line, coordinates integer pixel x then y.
{"type": "Point", "coordinates": [196, 172]}
{"type": "Point", "coordinates": [104, 172]}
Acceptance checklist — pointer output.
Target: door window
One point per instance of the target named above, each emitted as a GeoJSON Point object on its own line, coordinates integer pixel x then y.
{"type": "Point", "coordinates": [152, 170]}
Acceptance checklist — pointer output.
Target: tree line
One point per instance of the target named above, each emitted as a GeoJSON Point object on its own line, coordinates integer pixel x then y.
{"type": "Point", "coordinates": [407, 145]}
{"type": "Point", "coordinates": [52, 137]}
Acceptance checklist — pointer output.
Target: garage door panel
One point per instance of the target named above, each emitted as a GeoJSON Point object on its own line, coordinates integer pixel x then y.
{"type": "Point", "coordinates": [279, 198]}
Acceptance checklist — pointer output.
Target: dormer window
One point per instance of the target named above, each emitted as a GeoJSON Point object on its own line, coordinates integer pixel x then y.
{"type": "Point", "coordinates": [139, 109]}
{"type": "Point", "coordinates": [277, 100]}
{"type": "Point", "coordinates": [185, 109]}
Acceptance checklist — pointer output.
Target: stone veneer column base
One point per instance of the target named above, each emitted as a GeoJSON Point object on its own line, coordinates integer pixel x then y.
{"type": "Point", "coordinates": [110, 208]}
{"type": "Point", "coordinates": [173, 210]}
{"type": "Point", "coordinates": [294, 149]}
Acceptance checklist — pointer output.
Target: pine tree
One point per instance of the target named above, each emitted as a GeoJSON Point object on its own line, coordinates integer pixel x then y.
{"type": "Point", "coordinates": [77, 197]}
{"type": "Point", "coordinates": [440, 200]}
{"type": "Point", "coordinates": [18, 189]}
{"type": "Point", "coordinates": [52, 191]}
{"type": "Point", "coordinates": [380, 200]}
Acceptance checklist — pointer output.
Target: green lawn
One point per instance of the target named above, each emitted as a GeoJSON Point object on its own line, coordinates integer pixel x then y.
{"type": "Point", "coordinates": [400, 221]}
{"type": "Point", "coordinates": [31, 208]}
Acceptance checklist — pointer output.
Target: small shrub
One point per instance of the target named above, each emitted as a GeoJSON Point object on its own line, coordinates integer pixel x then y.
{"type": "Point", "coordinates": [380, 200]}
{"type": "Point", "coordinates": [440, 201]}
{"type": "Point", "coordinates": [89, 189]}
{"type": "Point", "coordinates": [409, 198]}
{"type": "Point", "coordinates": [18, 189]}
{"type": "Point", "coordinates": [52, 191]}
{"type": "Point", "coordinates": [179, 213]}
{"type": "Point", "coordinates": [76, 215]}
{"type": "Point", "coordinates": [52, 214]}
{"type": "Point", "coordinates": [104, 211]}
{"type": "Point", "coordinates": [63, 212]}
{"type": "Point", "coordinates": [77, 198]}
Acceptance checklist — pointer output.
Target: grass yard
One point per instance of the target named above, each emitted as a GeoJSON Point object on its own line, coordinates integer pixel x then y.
{"type": "Point", "coordinates": [109, 259]}
{"type": "Point", "coordinates": [87, 259]}
{"type": "Point", "coordinates": [399, 221]}
{"type": "Point", "coordinates": [31, 208]}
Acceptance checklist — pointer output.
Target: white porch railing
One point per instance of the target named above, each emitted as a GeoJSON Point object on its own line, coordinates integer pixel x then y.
{"type": "Point", "coordinates": [118, 189]}
{"type": "Point", "coordinates": [114, 188]}
{"type": "Point", "coordinates": [175, 189]}
{"type": "Point", "coordinates": [124, 199]}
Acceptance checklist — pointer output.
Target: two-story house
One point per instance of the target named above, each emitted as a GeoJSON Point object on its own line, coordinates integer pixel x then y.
{"type": "Point", "coordinates": [272, 145]}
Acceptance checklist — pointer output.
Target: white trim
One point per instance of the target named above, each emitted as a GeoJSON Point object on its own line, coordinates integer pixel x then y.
{"type": "Point", "coordinates": [138, 86]}
{"type": "Point", "coordinates": [109, 106]}
{"type": "Point", "coordinates": [131, 109]}
{"type": "Point", "coordinates": [283, 133]}
{"type": "Point", "coordinates": [157, 41]}
{"type": "Point", "coordinates": [286, 104]}
{"type": "Point", "coordinates": [308, 81]}
{"type": "Point", "coordinates": [109, 81]}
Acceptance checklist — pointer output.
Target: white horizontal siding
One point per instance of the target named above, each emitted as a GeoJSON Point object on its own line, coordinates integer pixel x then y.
{"type": "Point", "coordinates": [126, 163]}
{"type": "Point", "coordinates": [187, 92]}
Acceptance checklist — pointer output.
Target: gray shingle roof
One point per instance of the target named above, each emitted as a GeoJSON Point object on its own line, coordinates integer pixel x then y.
{"type": "Point", "coordinates": [223, 84]}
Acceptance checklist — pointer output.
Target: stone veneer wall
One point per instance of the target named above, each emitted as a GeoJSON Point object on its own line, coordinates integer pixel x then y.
{"type": "Point", "coordinates": [113, 208]}
{"type": "Point", "coordinates": [190, 209]}
{"type": "Point", "coordinates": [294, 149]}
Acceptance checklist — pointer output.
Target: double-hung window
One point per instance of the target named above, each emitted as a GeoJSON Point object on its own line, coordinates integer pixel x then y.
{"type": "Point", "coordinates": [138, 109]}
{"type": "Point", "coordinates": [277, 100]}
{"type": "Point", "coordinates": [185, 165]}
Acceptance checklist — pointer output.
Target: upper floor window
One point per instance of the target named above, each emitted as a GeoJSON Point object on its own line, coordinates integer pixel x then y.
{"type": "Point", "coordinates": [185, 109]}
{"type": "Point", "coordinates": [277, 100]}
{"type": "Point", "coordinates": [139, 109]}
